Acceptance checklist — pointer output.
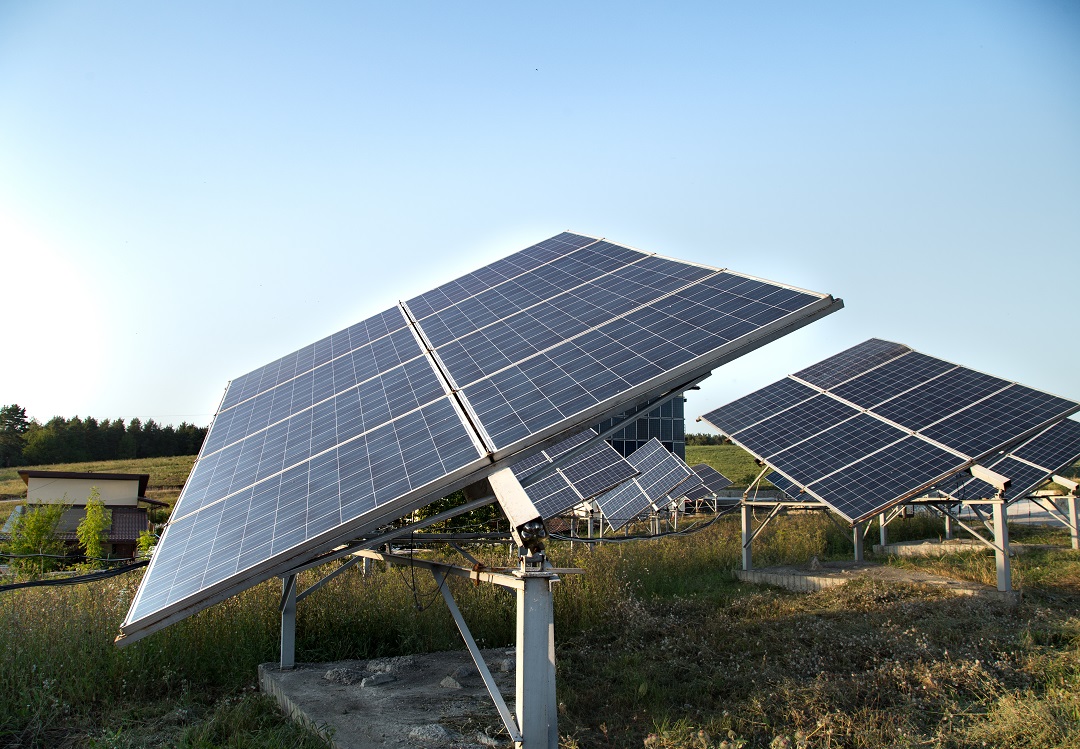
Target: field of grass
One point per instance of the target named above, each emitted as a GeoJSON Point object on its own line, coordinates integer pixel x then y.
{"type": "Point", "coordinates": [731, 460]}
{"type": "Point", "coordinates": [658, 646]}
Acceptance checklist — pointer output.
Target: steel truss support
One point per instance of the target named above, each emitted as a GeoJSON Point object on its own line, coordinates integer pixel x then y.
{"type": "Point", "coordinates": [1068, 517]}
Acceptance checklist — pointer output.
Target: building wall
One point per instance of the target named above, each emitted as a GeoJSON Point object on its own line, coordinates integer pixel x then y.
{"type": "Point", "coordinates": [666, 423]}
{"type": "Point", "coordinates": [76, 491]}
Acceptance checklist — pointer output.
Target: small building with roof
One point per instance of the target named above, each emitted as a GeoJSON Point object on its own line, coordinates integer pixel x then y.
{"type": "Point", "coordinates": [123, 494]}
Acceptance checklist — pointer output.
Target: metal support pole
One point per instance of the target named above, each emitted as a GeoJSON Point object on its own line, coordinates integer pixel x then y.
{"type": "Point", "coordinates": [1001, 553]}
{"type": "Point", "coordinates": [883, 529]}
{"type": "Point", "coordinates": [948, 527]}
{"type": "Point", "coordinates": [1073, 521]}
{"type": "Point", "coordinates": [288, 621]}
{"type": "Point", "coordinates": [537, 715]}
{"type": "Point", "coordinates": [367, 567]}
{"type": "Point", "coordinates": [747, 560]}
{"type": "Point", "coordinates": [857, 529]}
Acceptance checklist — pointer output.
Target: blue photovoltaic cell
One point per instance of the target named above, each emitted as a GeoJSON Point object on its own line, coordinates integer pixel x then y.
{"type": "Point", "coordinates": [316, 496]}
{"type": "Point", "coordinates": [780, 432]}
{"type": "Point", "coordinates": [711, 478]}
{"type": "Point", "coordinates": [786, 485]}
{"type": "Point", "coordinates": [498, 272]}
{"type": "Point", "coordinates": [998, 420]}
{"type": "Point", "coordinates": [759, 405]}
{"type": "Point", "coordinates": [947, 394]}
{"type": "Point", "coordinates": [363, 426]}
{"type": "Point", "coordinates": [864, 488]}
{"type": "Point", "coordinates": [599, 365]}
{"type": "Point", "coordinates": [1023, 478]}
{"type": "Point", "coordinates": [660, 473]}
{"type": "Point", "coordinates": [854, 361]}
{"type": "Point", "coordinates": [891, 379]}
{"type": "Point", "coordinates": [1054, 449]}
{"type": "Point", "coordinates": [835, 448]}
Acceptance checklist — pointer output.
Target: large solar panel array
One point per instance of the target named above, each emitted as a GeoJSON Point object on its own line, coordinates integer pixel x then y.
{"type": "Point", "coordinates": [661, 473]}
{"type": "Point", "coordinates": [594, 471]}
{"type": "Point", "coordinates": [1028, 465]}
{"type": "Point", "coordinates": [879, 422]}
{"type": "Point", "coordinates": [362, 427]}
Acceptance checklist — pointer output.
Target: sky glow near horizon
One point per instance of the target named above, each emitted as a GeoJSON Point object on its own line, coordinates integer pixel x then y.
{"type": "Point", "coordinates": [189, 192]}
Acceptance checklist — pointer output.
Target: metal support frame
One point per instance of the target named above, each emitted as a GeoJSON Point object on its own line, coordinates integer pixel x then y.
{"type": "Point", "coordinates": [857, 534]}
{"type": "Point", "coordinates": [1001, 547]}
{"type": "Point", "coordinates": [997, 524]}
{"type": "Point", "coordinates": [883, 529]}
{"type": "Point", "coordinates": [535, 723]}
{"type": "Point", "coordinates": [288, 621]}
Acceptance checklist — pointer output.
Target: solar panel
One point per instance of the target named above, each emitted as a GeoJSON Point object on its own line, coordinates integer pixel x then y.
{"type": "Point", "coordinates": [596, 470]}
{"type": "Point", "coordinates": [661, 472]}
{"type": "Point", "coordinates": [880, 423]}
{"type": "Point", "coordinates": [1029, 464]}
{"type": "Point", "coordinates": [851, 362]}
{"type": "Point", "coordinates": [362, 427]}
{"type": "Point", "coordinates": [711, 479]}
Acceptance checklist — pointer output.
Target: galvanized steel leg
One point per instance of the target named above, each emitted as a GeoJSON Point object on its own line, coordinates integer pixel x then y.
{"type": "Point", "coordinates": [857, 529]}
{"type": "Point", "coordinates": [1073, 522]}
{"type": "Point", "coordinates": [536, 709]}
{"type": "Point", "coordinates": [883, 530]}
{"type": "Point", "coordinates": [948, 527]}
{"type": "Point", "coordinates": [288, 621]}
{"type": "Point", "coordinates": [747, 560]}
{"type": "Point", "coordinates": [1001, 553]}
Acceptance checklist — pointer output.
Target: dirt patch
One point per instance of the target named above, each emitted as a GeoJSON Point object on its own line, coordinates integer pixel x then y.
{"type": "Point", "coordinates": [431, 700]}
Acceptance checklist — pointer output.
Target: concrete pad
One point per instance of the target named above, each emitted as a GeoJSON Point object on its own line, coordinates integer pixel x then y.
{"type": "Point", "coordinates": [431, 700]}
{"type": "Point", "coordinates": [830, 574]}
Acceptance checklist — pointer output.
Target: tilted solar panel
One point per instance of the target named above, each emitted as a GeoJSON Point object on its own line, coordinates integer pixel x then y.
{"type": "Point", "coordinates": [334, 440]}
{"type": "Point", "coordinates": [598, 469]}
{"type": "Point", "coordinates": [711, 479]}
{"type": "Point", "coordinates": [875, 424]}
{"type": "Point", "coordinates": [661, 472]}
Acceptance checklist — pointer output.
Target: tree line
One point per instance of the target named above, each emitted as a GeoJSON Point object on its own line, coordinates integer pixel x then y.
{"type": "Point", "coordinates": [706, 439]}
{"type": "Point", "coordinates": [27, 442]}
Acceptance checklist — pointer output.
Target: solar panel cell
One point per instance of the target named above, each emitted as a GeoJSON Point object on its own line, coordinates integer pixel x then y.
{"type": "Point", "coordinates": [836, 447]}
{"type": "Point", "coordinates": [759, 405]}
{"type": "Point", "coordinates": [1056, 448]}
{"type": "Point", "coordinates": [851, 362]}
{"type": "Point", "coordinates": [769, 437]}
{"type": "Point", "coordinates": [357, 429]}
{"type": "Point", "coordinates": [1004, 417]}
{"type": "Point", "coordinates": [865, 487]}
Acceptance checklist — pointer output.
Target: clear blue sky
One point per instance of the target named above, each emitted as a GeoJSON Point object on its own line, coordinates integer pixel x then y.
{"type": "Point", "coordinates": [188, 191]}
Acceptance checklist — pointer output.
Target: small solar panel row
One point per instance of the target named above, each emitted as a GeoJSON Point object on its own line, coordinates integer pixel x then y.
{"type": "Point", "coordinates": [882, 418]}
{"type": "Point", "coordinates": [594, 471]}
{"type": "Point", "coordinates": [661, 472]}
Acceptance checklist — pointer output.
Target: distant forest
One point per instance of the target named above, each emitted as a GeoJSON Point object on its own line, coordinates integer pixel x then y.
{"type": "Point", "coordinates": [27, 442]}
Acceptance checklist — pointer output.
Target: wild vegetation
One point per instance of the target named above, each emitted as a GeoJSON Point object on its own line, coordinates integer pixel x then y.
{"type": "Point", "coordinates": [657, 646]}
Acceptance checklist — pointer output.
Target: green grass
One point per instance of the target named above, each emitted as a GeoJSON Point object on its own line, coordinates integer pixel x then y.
{"type": "Point", "coordinates": [658, 645]}
{"type": "Point", "coordinates": [731, 460]}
